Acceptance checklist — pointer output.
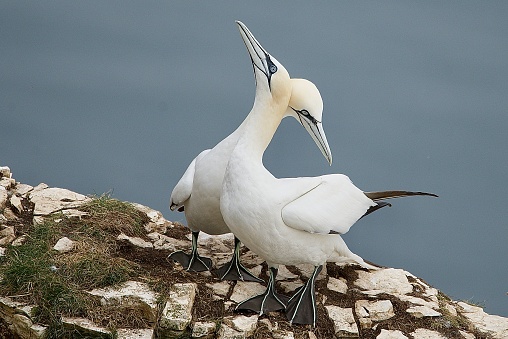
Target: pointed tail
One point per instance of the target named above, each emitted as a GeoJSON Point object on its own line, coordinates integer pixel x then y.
{"type": "Point", "coordinates": [383, 195]}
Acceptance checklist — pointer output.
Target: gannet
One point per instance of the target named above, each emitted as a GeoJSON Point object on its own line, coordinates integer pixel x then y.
{"type": "Point", "coordinates": [289, 221]}
{"type": "Point", "coordinates": [197, 193]}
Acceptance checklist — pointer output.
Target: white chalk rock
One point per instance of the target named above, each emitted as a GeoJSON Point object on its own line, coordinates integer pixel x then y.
{"type": "Point", "coordinates": [371, 311]}
{"type": "Point", "coordinates": [391, 334]}
{"type": "Point", "coordinates": [494, 325]}
{"type": "Point", "coordinates": [64, 245]}
{"type": "Point", "coordinates": [422, 312]}
{"type": "Point", "coordinates": [422, 333]}
{"type": "Point", "coordinates": [389, 280]}
{"type": "Point", "coordinates": [50, 200]}
{"type": "Point", "coordinates": [343, 321]}
{"type": "Point", "coordinates": [177, 313]}
{"type": "Point", "coordinates": [130, 295]}
{"type": "Point", "coordinates": [136, 241]}
{"type": "Point", "coordinates": [337, 285]}
{"type": "Point", "coordinates": [244, 324]}
{"type": "Point", "coordinates": [203, 329]}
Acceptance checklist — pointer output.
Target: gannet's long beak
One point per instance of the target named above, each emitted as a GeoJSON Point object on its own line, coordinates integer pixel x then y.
{"type": "Point", "coordinates": [316, 131]}
{"type": "Point", "coordinates": [260, 58]}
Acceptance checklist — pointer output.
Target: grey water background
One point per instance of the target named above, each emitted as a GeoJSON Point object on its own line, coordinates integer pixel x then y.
{"type": "Point", "coordinates": [122, 95]}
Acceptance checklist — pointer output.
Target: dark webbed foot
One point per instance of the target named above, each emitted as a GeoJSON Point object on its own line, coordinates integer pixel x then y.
{"type": "Point", "coordinates": [234, 270]}
{"type": "Point", "coordinates": [301, 308]}
{"type": "Point", "coordinates": [193, 262]}
{"type": "Point", "coordinates": [268, 301]}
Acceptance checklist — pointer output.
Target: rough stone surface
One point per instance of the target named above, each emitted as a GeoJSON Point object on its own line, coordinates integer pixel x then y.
{"type": "Point", "coordinates": [130, 295]}
{"type": "Point", "coordinates": [423, 333]}
{"type": "Point", "coordinates": [53, 199]}
{"type": "Point", "coordinates": [493, 325]}
{"type": "Point", "coordinates": [136, 241]}
{"type": "Point", "coordinates": [64, 245]}
{"type": "Point", "coordinates": [242, 323]}
{"type": "Point", "coordinates": [203, 329]}
{"type": "Point", "coordinates": [373, 311]}
{"type": "Point", "coordinates": [246, 289]}
{"type": "Point", "coordinates": [390, 280]}
{"type": "Point", "coordinates": [422, 311]}
{"type": "Point", "coordinates": [177, 313]}
{"type": "Point", "coordinates": [391, 334]}
{"type": "Point", "coordinates": [3, 198]}
{"type": "Point", "coordinates": [343, 320]}
{"type": "Point", "coordinates": [16, 203]}
{"type": "Point", "coordinates": [337, 285]}
{"type": "Point", "coordinates": [85, 325]}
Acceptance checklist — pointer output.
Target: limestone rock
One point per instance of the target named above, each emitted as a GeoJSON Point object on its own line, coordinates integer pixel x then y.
{"type": "Point", "coordinates": [203, 329]}
{"type": "Point", "coordinates": [343, 320]}
{"type": "Point", "coordinates": [85, 325]}
{"type": "Point", "coordinates": [50, 200]}
{"type": "Point", "coordinates": [136, 333]}
{"type": "Point", "coordinates": [422, 311]}
{"type": "Point", "coordinates": [246, 289]}
{"type": "Point", "coordinates": [5, 172]}
{"type": "Point", "coordinates": [22, 189]}
{"type": "Point", "coordinates": [220, 288]}
{"type": "Point", "coordinates": [390, 334]}
{"type": "Point", "coordinates": [157, 221]}
{"type": "Point", "coordinates": [7, 183]}
{"type": "Point", "coordinates": [307, 269]}
{"type": "Point", "coordinates": [422, 333]}
{"type": "Point", "coordinates": [372, 311]}
{"type": "Point", "coordinates": [130, 295]}
{"type": "Point", "coordinates": [25, 328]}
{"type": "Point", "coordinates": [388, 280]}
{"type": "Point", "coordinates": [337, 285]}
{"type": "Point", "coordinates": [136, 241]}
{"type": "Point", "coordinates": [284, 274]}
{"type": "Point", "coordinates": [226, 332]}
{"type": "Point", "coordinates": [243, 324]}
{"type": "Point", "coordinates": [64, 245]}
{"type": "Point", "coordinates": [3, 198]}
{"type": "Point", "coordinates": [177, 314]}
{"type": "Point", "coordinates": [163, 242]}
{"type": "Point", "coordinates": [7, 235]}
{"type": "Point", "coordinates": [494, 325]}
{"type": "Point", "coordinates": [16, 203]}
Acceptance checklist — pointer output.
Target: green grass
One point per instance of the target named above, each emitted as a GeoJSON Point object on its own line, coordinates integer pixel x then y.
{"type": "Point", "coordinates": [55, 281]}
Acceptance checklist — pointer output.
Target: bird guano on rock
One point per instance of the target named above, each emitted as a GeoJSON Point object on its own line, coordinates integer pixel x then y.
{"type": "Point", "coordinates": [289, 221]}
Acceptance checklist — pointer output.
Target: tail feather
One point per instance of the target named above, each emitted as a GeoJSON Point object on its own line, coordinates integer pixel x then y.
{"type": "Point", "coordinates": [382, 195]}
{"type": "Point", "coordinates": [377, 206]}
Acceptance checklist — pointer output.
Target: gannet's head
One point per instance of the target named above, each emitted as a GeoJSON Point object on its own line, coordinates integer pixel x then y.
{"type": "Point", "coordinates": [271, 77]}
{"type": "Point", "coordinates": [306, 106]}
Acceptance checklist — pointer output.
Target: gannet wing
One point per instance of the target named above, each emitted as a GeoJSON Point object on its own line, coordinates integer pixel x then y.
{"type": "Point", "coordinates": [332, 206]}
{"type": "Point", "coordinates": [183, 189]}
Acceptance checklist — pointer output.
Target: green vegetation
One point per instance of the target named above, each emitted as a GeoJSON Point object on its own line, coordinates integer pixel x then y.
{"type": "Point", "coordinates": [54, 281]}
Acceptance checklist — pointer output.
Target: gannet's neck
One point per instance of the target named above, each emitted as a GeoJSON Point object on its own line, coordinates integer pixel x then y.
{"type": "Point", "coordinates": [260, 126]}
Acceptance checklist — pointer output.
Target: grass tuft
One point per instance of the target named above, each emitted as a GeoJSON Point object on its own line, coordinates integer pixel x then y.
{"type": "Point", "coordinates": [37, 274]}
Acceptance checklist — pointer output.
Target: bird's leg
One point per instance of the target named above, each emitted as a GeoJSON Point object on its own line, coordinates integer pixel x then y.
{"type": "Point", "coordinates": [301, 307]}
{"type": "Point", "coordinates": [193, 262]}
{"type": "Point", "coordinates": [268, 301]}
{"type": "Point", "coordinates": [234, 270]}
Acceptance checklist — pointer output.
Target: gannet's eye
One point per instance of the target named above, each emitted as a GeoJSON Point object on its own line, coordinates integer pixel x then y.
{"type": "Point", "coordinates": [273, 68]}
{"type": "Point", "coordinates": [305, 112]}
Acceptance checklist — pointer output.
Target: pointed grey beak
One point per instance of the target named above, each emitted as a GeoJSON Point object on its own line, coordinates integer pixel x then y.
{"type": "Point", "coordinates": [259, 56]}
{"type": "Point", "coordinates": [316, 131]}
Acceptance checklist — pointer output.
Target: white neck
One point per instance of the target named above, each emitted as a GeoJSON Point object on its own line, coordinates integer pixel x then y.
{"type": "Point", "coordinates": [259, 128]}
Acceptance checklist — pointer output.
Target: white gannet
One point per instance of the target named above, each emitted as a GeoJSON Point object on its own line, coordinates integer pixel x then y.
{"type": "Point", "coordinates": [295, 220]}
{"type": "Point", "coordinates": [197, 193]}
